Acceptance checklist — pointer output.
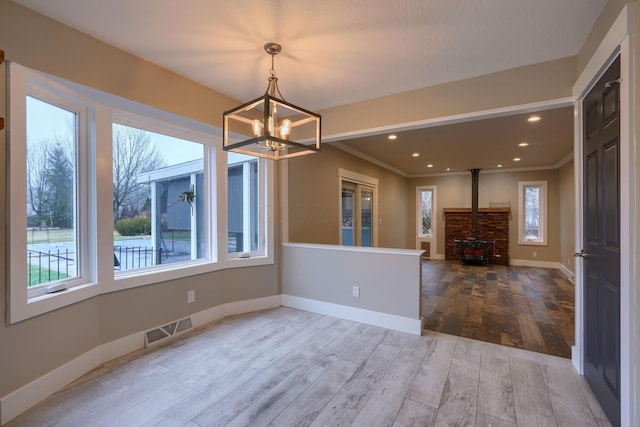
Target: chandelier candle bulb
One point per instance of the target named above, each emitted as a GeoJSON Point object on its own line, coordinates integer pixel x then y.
{"type": "Point", "coordinates": [257, 127]}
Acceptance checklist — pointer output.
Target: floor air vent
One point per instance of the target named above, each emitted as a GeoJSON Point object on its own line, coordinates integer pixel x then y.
{"type": "Point", "coordinates": [163, 333]}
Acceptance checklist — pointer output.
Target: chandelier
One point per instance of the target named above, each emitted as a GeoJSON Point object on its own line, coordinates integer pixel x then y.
{"type": "Point", "coordinates": [269, 126]}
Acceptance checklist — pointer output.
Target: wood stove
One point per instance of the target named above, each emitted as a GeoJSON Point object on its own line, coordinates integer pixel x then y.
{"type": "Point", "coordinates": [477, 235]}
{"type": "Point", "coordinates": [473, 251]}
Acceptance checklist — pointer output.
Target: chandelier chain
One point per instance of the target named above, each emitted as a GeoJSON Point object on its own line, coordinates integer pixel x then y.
{"type": "Point", "coordinates": [273, 68]}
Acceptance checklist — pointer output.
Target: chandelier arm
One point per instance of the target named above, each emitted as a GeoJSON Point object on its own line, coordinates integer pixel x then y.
{"type": "Point", "coordinates": [279, 93]}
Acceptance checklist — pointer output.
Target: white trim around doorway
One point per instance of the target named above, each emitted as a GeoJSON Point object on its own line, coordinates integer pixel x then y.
{"type": "Point", "coordinates": [618, 40]}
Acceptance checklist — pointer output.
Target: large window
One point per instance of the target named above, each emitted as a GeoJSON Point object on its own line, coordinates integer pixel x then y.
{"type": "Point", "coordinates": [158, 199]}
{"type": "Point", "coordinates": [107, 194]}
{"type": "Point", "coordinates": [532, 212]}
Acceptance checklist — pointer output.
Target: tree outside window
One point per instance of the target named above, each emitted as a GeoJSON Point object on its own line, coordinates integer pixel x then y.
{"type": "Point", "coordinates": [51, 192]}
{"type": "Point", "coordinates": [532, 215]}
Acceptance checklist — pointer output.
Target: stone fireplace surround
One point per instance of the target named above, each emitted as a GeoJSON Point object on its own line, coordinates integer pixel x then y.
{"type": "Point", "coordinates": [493, 225]}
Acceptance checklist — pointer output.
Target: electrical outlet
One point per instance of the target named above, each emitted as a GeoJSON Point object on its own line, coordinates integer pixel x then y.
{"type": "Point", "coordinates": [535, 254]}
{"type": "Point", "coordinates": [191, 297]}
{"type": "Point", "coordinates": [356, 291]}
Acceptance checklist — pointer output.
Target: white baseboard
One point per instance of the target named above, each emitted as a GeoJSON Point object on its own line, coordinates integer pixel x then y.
{"type": "Point", "coordinates": [384, 320]}
{"type": "Point", "coordinates": [18, 401]}
{"type": "Point", "coordinates": [233, 308]}
{"type": "Point", "coordinates": [570, 274]}
{"type": "Point", "coordinates": [575, 360]}
{"type": "Point", "coordinates": [531, 263]}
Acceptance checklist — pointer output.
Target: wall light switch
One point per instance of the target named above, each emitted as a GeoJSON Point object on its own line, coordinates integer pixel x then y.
{"type": "Point", "coordinates": [356, 291]}
{"type": "Point", "coordinates": [191, 297]}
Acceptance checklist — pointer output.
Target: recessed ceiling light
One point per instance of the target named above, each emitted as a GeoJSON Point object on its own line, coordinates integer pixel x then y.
{"type": "Point", "coordinates": [429, 165]}
{"type": "Point", "coordinates": [523, 144]}
{"type": "Point", "coordinates": [499, 166]}
{"type": "Point", "coordinates": [392, 137]}
{"type": "Point", "coordinates": [448, 169]}
{"type": "Point", "coordinates": [416, 155]}
{"type": "Point", "coordinates": [516, 159]}
{"type": "Point", "coordinates": [534, 119]}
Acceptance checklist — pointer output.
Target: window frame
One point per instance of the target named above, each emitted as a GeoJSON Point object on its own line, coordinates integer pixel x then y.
{"type": "Point", "coordinates": [23, 302]}
{"type": "Point", "coordinates": [95, 217]}
{"type": "Point", "coordinates": [262, 180]}
{"type": "Point", "coordinates": [80, 205]}
{"type": "Point", "coordinates": [543, 216]}
{"type": "Point", "coordinates": [419, 191]}
{"type": "Point", "coordinates": [129, 119]}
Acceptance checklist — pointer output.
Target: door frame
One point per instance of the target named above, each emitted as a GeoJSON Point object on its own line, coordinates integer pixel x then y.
{"type": "Point", "coordinates": [618, 41]}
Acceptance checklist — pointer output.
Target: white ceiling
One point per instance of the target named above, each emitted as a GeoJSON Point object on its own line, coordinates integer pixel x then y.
{"type": "Point", "coordinates": [476, 144]}
{"type": "Point", "coordinates": [335, 52]}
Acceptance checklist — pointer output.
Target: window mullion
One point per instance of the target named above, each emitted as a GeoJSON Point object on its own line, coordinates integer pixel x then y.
{"type": "Point", "coordinates": [246, 203]}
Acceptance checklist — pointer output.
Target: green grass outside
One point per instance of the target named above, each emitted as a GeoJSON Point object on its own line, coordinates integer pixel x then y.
{"type": "Point", "coordinates": [38, 276]}
{"type": "Point", "coordinates": [50, 236]}
{"type": "Point", "coordinates": [178, 236]}
{"type": "Point", "coordinates": [118, 237]}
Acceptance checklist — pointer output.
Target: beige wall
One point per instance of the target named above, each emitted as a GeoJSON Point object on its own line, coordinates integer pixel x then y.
{"type": "Point", "coordinates": [314, 198]}
{"type": "Point", "coordinates": [388, 279]}
{"type": "Point", "coordinates": [602, 25]}
{"type": "Point", "coordinates": [454, 191]}
{"type": "Point", "coordinates": [36, 346]}
{"type": "Point", "coordinates": [518, 86]}
{"type": "Point", "coordinates": [43, 44]}
{"type": "Point", "coordinates": [566, 182]}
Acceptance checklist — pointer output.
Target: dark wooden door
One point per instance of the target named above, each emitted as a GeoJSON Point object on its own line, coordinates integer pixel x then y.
{"type": "Point", "coordinates": [601, 237]}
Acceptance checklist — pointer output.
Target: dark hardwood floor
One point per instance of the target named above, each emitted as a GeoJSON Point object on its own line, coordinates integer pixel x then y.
{"type": "Point", "coordinates": [522, 307]}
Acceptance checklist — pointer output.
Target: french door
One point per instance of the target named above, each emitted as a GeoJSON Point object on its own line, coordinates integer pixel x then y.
{"type": "Point", "coordinates": [358, 214]}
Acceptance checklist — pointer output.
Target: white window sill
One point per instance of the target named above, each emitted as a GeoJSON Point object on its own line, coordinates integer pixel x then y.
{"type": "Point", "coordinates": [531, 243]}
{"type": "Point", "coordinates": [177, 271]}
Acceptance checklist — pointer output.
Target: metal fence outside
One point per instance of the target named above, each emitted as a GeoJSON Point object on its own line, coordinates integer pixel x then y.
{"type": "Point", "coordinates": [49, 266]}
{"type": "Point", "coordinates": [134, 257]}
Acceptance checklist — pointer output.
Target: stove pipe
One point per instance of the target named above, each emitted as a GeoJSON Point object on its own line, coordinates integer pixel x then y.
{"type": "Point", "coordinates": [474, 202]}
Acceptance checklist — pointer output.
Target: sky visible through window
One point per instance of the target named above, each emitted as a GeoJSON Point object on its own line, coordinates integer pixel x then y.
{"type": "Point", "coordinates": [46, 121]}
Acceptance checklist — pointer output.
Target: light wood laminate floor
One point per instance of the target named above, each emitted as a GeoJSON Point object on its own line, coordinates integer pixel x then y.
{"type": "Point", "coordinates": [284, 367]}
